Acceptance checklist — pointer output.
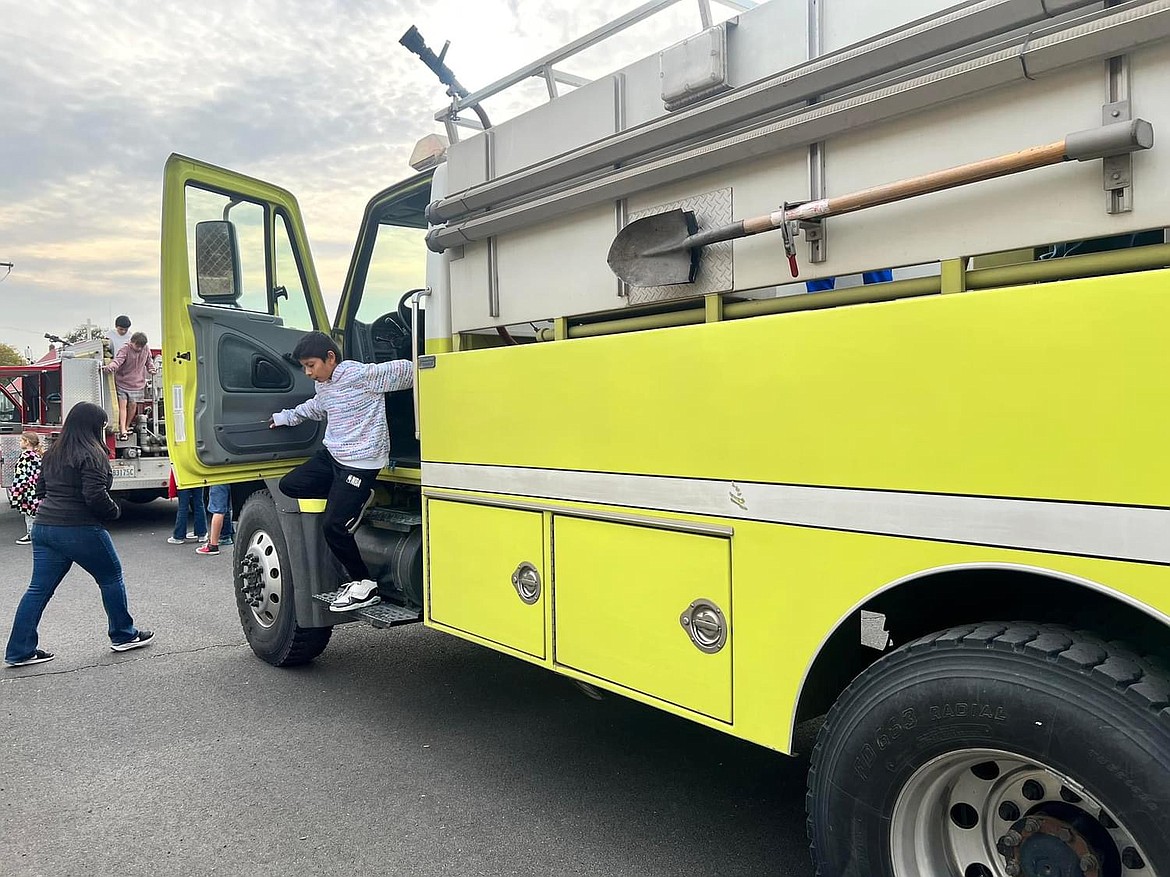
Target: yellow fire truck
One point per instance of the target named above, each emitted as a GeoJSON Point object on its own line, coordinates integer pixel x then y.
{"type": "Point", "coordinates": [642, 454]}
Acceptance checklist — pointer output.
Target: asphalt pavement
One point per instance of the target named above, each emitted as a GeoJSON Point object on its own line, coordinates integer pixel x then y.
{"type": "Point", "coordinates": [403, 751]}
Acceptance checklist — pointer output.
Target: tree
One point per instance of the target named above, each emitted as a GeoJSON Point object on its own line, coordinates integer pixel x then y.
{"type": "Point", "coordinates": [9, 355]}
{"type": "Point", "coordinates": [86, 331]}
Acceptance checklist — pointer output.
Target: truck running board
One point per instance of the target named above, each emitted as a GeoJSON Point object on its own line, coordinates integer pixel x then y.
{"type": "Point", "coordinates": [379, 615]}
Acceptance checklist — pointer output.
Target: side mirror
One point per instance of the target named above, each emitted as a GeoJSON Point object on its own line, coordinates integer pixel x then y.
{"type": "Point", "coordinates": [217, 262]}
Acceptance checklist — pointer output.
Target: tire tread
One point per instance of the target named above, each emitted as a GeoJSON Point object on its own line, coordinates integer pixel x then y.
{"type": "Point", "coordinates": [1109, 664]}
{"type": "Point", "coordinates": [305, 643]}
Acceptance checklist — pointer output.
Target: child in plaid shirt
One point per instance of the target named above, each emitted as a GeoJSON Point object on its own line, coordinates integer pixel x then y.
{"type": "Point", "coordinates": [23, 497]}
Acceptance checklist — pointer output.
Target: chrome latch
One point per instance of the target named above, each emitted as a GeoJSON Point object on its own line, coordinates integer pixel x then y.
{"type": "Point", "coordinates": [526, 581]}
{"type": "Point", "coordinates": [705, 625]}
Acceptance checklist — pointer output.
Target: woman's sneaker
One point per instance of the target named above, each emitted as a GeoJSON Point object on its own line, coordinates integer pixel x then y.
{"type": "Point", "coordinates": [355, 595]}
{"type": "Point", "coordinates": [173, 541]}
{"type": "Point", "coordinates": [38, 657]}
{"type": "Point", "coordinates": [207, 549]}
{"type": "Point", "coordinates": [143, 638]}
{"type": "Point", "coordinates": [24, 540]}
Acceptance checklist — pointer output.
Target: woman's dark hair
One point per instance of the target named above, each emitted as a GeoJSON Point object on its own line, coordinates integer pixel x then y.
{"type": "Point", "coordinates": [81, 442]}
{"type": "Point", "coordinates": [316, 345]}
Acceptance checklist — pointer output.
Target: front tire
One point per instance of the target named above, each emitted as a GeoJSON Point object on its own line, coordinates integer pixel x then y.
{"type": "Point", "coordinates": [264, 585]}
{"type": "Point", "coordinates": [991, 750]}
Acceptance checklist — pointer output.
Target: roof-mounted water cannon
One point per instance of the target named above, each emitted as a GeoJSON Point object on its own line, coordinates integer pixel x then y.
{"type": "Point", "coordinates": [414, 43]}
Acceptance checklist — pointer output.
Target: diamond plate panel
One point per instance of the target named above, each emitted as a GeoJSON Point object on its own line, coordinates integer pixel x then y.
{"type": "Point", "coordinates": [392, 519]}
{"type": "Point", "coordinates": [9, 451]}
{"type": "Point", "coordinates": [81, 382]}
{"type": "Point", "coordinates": [380, 614]}
{"type": "Point", "coordinates": [716, 270]}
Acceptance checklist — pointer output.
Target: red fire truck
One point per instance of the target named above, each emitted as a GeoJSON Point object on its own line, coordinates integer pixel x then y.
{"type": "Point", "coordinates": [36, 398]}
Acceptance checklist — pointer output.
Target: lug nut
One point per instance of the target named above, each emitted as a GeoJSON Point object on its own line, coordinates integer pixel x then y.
{"type": "Point", "coordinates": [1089, 863]}
{"type": "Point", "coordinates": [1031, 825]}
{"type": "Point", "coordinates": [1064, 834]}
{"type": "Point", "coordinates": [1012, 867]}
{"type": "Point", "coordinates": [1011, 839]}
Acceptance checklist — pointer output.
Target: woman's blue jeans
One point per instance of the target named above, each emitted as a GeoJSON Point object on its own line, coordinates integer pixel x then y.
{"type": "Point", "coordinates": [194, 497]}
{"type": "Point", "coordinates": [55, 550]}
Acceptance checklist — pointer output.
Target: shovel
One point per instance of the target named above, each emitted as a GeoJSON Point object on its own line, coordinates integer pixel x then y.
{"type": "Point", "coordinates": [664, 249]}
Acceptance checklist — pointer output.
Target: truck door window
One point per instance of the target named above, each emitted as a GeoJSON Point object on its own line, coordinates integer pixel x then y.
{"type": "Point", "coordinates": [293, 303]}
{"type": "Point", "coordinates": [398, 263]}
{"type": "Point", "coordinates": [277, 288]}
{"type": "Point", "coordinates": [248, 218]}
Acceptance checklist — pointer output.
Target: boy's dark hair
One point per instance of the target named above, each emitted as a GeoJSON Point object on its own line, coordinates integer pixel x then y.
{"type": "Point", "coordinates": [138, 338]}
{"type": "Point", "coordinates": [123, 322]}
{"type": "Point", "coordinates": [316, 345]}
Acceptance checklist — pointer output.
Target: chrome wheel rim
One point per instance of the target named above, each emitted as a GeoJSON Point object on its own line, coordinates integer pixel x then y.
{"type": "Point", "coordinates": [261, 579]}
{"type": "Point", "coordinates": [988, 813]}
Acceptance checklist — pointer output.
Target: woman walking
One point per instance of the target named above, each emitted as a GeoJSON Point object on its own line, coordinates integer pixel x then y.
{"type": "Point", "coordinates": [75, 502]}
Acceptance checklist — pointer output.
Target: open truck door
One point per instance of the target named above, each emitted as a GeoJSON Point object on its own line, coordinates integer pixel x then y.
{"type": "Point", "coordinates": [238, 292]}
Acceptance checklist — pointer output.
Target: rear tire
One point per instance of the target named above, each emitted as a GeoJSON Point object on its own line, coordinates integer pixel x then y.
{"type": "Point", "coordinates": [264, 585]}
{"type": "Point", "coordinates": [996, 749]}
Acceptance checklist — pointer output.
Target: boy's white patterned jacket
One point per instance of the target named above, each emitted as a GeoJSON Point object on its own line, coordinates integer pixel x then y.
{"type": "Point", "coordinates": [352, 404]}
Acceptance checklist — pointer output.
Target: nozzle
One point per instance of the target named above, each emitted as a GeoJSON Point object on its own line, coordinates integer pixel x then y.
{"type": "Point", "coordinates": [414, 43]}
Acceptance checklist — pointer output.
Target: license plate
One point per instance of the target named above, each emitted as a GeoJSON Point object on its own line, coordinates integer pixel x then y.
{"type": "Point", "coordinates": [123, 471]}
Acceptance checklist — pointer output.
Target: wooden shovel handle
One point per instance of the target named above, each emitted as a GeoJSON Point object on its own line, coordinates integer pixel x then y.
{"type": "Point", "coordinates": [988, 169]}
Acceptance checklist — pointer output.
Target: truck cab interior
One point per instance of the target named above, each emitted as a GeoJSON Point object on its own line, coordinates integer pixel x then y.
{"type": "Point", "coordinates": [376, 316]}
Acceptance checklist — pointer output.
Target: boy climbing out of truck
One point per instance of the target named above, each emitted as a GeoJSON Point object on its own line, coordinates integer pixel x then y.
{"type": "Point", "coordinates": [130, 366]}
{"type": "Point", "coordinates": [349, 398]}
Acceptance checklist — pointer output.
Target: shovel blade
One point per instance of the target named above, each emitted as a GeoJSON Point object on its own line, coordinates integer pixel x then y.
{"type": "Point", "coordinates": [650, 251]}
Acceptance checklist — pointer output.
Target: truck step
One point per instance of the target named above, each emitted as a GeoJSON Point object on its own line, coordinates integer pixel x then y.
{"type": "Point", "coordinates": [380, 614]}
{"type": "Point", "coordinates": [392, 519]}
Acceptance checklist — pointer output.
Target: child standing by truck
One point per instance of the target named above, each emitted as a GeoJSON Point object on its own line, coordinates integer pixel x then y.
{"type": "Point", "coordinates": [23, 497]}
{"type": "Point", "coordinates": [349, 396]}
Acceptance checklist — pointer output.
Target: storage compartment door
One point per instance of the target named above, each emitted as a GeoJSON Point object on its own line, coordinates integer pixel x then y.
{"type": "Point", "coordinates": [487, 573]}
{"type": "Point", "coordinates": [621, 596]}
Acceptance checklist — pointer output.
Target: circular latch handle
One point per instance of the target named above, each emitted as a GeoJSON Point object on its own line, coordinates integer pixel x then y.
{"type": "Point", "coordinates": [526, 581]}
{"type": "Point", "coordinates": [706, 625]}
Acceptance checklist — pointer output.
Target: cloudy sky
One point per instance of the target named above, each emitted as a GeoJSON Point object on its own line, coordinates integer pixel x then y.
{"type": "Point", "coordinates": [317, 97]}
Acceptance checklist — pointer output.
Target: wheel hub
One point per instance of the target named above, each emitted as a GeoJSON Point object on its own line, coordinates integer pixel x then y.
{"type": "Point", "coordinates": [251, 580]}
{"type": "Point", "coordinates": [1044, 846]}
{"type": "Point", "coordinates": [260, 578]}
{"type": "Point", "coordinates": [989, 813]}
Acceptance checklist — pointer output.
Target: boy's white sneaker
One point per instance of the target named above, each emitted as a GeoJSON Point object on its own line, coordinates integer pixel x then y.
{"type": "Point", "coordinates": [355, 595]}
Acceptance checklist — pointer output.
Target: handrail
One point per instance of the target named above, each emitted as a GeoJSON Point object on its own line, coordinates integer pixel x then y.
{"type": "Point", "coordinates": [894, 50]}
{"type": "Point", "coordinates": [1099, 35]}
{"type": "Point", "coordinates": [541, 66]}
{"type": "Point", "coordinates": [414, 300]}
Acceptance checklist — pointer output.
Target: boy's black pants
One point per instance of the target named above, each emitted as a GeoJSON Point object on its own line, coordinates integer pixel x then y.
{"type": "Point", "coordinates": [345, 491]}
